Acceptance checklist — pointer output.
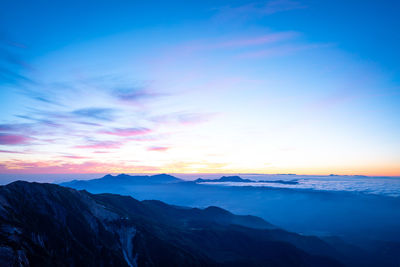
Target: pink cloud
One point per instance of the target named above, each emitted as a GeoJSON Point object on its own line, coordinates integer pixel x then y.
{"type": "Point", "coordinates": [158, 148]}
{"type": "Point", "coordinates": [101, 145]}
{"type": "Point", "coordinates": [37, 167]}
{"type": "Point", "coordinates": [74, 157]}
{"type": "Point", "coordinates": [101, 152]}
{"type": "Point", "coordinates": [127, 131]}
{"type": "Point", "coordinates": [14, 139]}
{"type": "Point", "coordinates": [12, 152]}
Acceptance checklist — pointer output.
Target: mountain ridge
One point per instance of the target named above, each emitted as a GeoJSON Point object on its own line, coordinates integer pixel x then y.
{"type": "Point", "coordinates": [48, 225]}
{"type": "Point", "coordinates": [239, 179]}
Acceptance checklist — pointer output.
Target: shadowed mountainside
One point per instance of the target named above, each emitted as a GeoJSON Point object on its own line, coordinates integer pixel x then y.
{"type": "Point", "coordinates": [51, 225]}
{"type": "Point", "coordinates": [366, 231]}
{"type": "Point", "coordinates": [307, 211]}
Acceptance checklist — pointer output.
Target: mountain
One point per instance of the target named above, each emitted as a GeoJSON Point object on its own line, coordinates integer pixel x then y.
{"type": "Point", "coordinates": [367, 236]}
{"type": "Point", "coordinates": [126, 180]}
{"type": "Point", "coordinates": [225, 179]}
{"type": "Point", "coordinates": [123, 179]}
{"type": "Point", "coordinates": [51, 225]}
{"type": "Point", "coordinates": [238, 179]}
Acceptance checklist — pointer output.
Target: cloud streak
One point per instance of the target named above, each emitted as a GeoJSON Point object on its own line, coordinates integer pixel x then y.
{"type": "Point", "coordinates": [14, 139]}
{"type": "Point", "coordinates": [184, 118]}
{"type": "Point", "coordinates": [259, 40]}
{"type": "Point", "coordinates": [101, 145]}
{"type": "Point", "coordinates": [11, 152]}
{"type": "Point", "coordinates": [102, 114]}
{"type": "Point", "coordinates": [257, 9]}
{"type": "Point", "coordinates": [74, 157]}
{"type": "Point", "coordinates": [127, 131]}
{"type": "Point", "coordinates": [12, 66]}
{"type": "Point", "coordinates": [281, 50]}
{"type": "Point", "coordinates": [56, 167]}
{"type": "Point", "coordinates": [133, 94]}
{"type": "Point", "coordinates": [14, 127]}
{"type": "Point", "coordinates": [158, 148]}
{"type": "Point", "coordinates": [242, 42]}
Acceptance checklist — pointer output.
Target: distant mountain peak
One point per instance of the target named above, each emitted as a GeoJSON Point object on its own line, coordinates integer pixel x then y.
{"type": "Point", "coordinates": [119, 181]}
{"type": "Point", "coordinates": [163, 175]}
{"type": "Point", "coordinates": [234, 178]}
{"type": "Point", "coordinates": [122, 175]}
{"type": "Point", "coordinates": [164, 178]}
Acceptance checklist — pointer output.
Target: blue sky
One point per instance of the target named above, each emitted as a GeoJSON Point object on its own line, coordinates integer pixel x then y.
{"type": "Point", "coordinates": [280, 86]}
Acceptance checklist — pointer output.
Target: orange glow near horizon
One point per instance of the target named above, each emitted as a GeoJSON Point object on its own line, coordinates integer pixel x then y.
{"type": "Point", "coordinates": [52, 167]}
{"type": "Point", "coordinates": [213, 93]}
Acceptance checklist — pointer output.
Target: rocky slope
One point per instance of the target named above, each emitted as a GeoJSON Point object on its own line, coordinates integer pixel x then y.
{"type": "Point", "coordinates": [51, 225]}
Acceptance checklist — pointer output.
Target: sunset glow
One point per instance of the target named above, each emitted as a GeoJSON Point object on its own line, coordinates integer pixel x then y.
{"type": "Point", "coordinates": [232, 88]}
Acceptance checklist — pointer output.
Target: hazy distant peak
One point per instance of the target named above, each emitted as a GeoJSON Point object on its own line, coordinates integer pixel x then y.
{"type": "Point", "coordinates": [224, 179]}
{"type": "Point", "coordinates": [233, 179]}
{"type": "Point", "coordinates": [163, 175]}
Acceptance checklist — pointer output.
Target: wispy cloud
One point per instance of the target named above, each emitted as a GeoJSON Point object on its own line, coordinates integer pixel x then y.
{"type": "Point", "coordinates": [13, 67]}
{"type": "Point", "coordinates": [14, 127]}
{"type": "Point", "coordinates": [133, 94]}
{"type": "Point", "coordinates": [48, 121]}
{"type": "Point", "coordinates": [42, 119]}
{"type": "Point", "coordinates": [37, 93]}
{"type": "Point", "coordinates": [185, 118]}
{"type": "Point", "coordinates": [238, 42]}
{"type": "Point", "coordinates": [102, 114]}
{"type": "Point", "coordinates": [257, 9]}
{"type": "Point", "coordinates": [127, 131]}
{"type": "Point", "coordinates": [74, 157]}
{"type": "Point", "coordinates": [158, 148]}
{"type": "Point", "coordinates": [14, 139]}
{"type": "Point", "coordinates": [11, 152]}
{"type": "Point", "coordinates": [276, 6]}
{"type": "Point", "coordinates": [194, 118]}
{"type": "Point", "coordinates": [101, 145]}
{"type": "Point", "coordinates": [258, 40]}
{"type": "Point", "coordinates": [88, 123]}
{"type": "Point", "coordinates": [19, 167]}
{"type": "Point", "coordinates": [283, 50]}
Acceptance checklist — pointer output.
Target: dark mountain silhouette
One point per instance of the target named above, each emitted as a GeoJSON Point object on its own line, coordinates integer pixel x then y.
{"type": "Point", "coordinates": [121, 180]}
{"type": "Point", "coordinates": [238, 179]}
{"type": "Point", "coordinates": [225, 179]}
{"type": "Point", "coordinates": [51, 225]}
{"type": "Point", "coordinates": [124, 179]}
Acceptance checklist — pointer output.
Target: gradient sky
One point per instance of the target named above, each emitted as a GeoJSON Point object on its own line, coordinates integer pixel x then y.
{"type": "Point", "coordinates": [280, 86]}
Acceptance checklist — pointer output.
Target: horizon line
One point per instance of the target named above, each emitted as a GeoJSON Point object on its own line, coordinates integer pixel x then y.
{"type": "Point", "coordinates": [200, 173]}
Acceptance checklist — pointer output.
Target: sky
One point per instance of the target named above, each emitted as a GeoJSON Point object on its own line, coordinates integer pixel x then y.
{"type": "Point", "coordinates": [277, 86]}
